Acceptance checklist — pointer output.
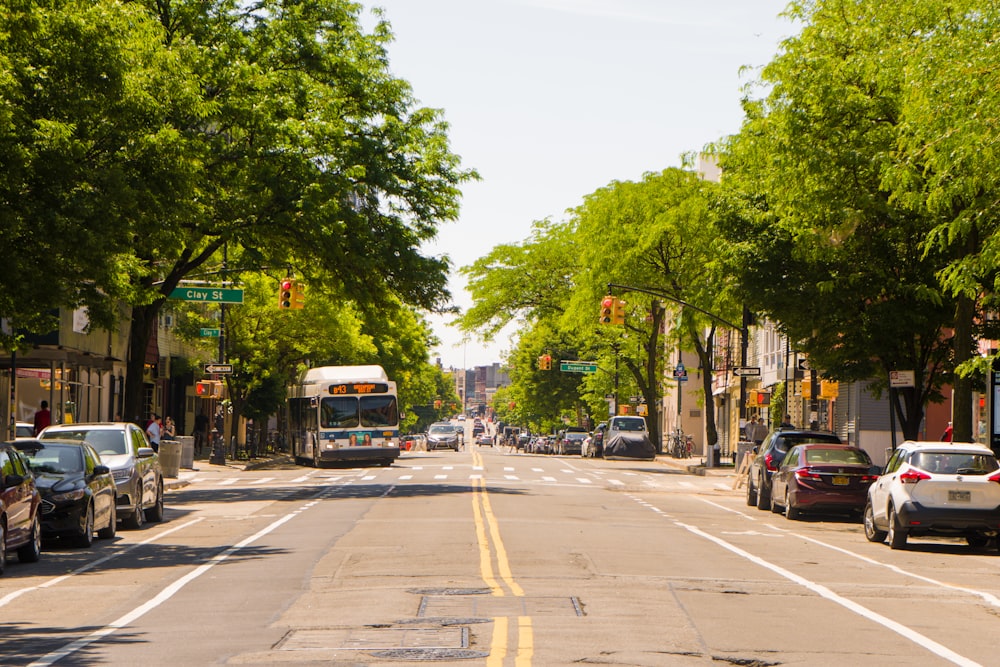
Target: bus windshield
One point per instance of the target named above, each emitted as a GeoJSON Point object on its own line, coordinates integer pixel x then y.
{"type": "Point", "coordinates": [379, 411]}
{"type": "Point", "coordinates": [339, 412]}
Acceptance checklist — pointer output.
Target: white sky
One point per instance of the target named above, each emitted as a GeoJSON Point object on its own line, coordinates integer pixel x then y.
{"type": "Point", "coordinates": [550, 100]}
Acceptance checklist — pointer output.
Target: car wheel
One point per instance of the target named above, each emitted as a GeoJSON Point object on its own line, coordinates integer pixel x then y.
{"type": "Point", "coordinates": [872, 533]}
{"type": "Point", "coordinates": [897, 536]}
{"type": "Point", "coordinates": [977, 541]}
{"type": "Point", "coordinates": [763, 501]}
{"type": "Point", "coordinates": [32, 551]}
{"type": "Point", "coordinates": [135, 520]}
{"type": "Point", "coordinates": [751, 492]}
{"type": "Point", "coordinates": [155, 513]}
{"type": "Point", "coordinates": [109, 531]}
{"type": "Point", "coordinates": [85, 537]}
{"type": "Point", "coordinates": [791, 511]}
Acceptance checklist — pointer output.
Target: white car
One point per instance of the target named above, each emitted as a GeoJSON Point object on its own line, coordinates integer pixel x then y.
{"type": "Point", "coordinates": [936, 488]}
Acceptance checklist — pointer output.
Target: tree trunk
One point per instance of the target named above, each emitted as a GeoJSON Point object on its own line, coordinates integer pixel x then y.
{"type": "Point", "coordinates": [705, 353]}
{"type": "Point", "coordinates": [144, 320]}
{"type": "Point", "coordinates": [961, 400]}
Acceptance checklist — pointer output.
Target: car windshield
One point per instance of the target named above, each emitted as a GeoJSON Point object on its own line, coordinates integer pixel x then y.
{"type": "Point", "coordinates": [441, 430]}
{"type": "Point", "coordinates": [631, 424]}
{"type": "Point", "coordinates": [785, 442]}
{"type": "Point", "coordinates": [56, 459]}
{"type": "Point", "coordinates": [104, 441]}
{"type": "Point", "coordinates": [841, 456]}
{"type": "Point", "coordinates": [955, 463]}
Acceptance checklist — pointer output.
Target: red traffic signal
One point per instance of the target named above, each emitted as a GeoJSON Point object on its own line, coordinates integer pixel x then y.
{"type": "Point", "coordinates": [608, 304]}
{"type": "Point", "coordinates": [285, 290]}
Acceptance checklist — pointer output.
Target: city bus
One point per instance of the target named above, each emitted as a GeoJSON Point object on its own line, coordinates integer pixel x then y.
{"type": "Point", "coordinates": [343, 413]}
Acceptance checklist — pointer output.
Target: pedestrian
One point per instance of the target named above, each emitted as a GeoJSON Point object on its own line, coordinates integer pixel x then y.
{"type": "Point", "coordinates": [169, 429]}
{"type": "Point", "coordinates": [755, 431]}
{"type": "Point", "coordinates": [200, 432]}
{"type": "Point", "coordinates": [945, 437]}
{"type": "Point", "coordinates": [154, 431]}
{"type": "Point", "coordinates": [43, 417]}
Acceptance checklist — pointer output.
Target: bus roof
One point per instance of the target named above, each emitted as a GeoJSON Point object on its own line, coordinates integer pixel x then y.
{"type": "Point", "coordinates": [343, 374]}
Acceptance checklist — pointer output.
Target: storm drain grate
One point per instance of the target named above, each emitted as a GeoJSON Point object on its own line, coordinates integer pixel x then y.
{"type": "Point", "coordinates": [368, 639]}
{"type": "Point", "coordinates": [419, 654]}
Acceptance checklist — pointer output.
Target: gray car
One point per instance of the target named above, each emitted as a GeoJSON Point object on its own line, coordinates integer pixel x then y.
{"type": "Point", "coordinates": [123, 447]}
{"type": "Point", "coordinates": [443, 436]}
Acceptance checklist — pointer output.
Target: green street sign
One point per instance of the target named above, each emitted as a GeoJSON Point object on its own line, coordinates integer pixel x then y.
{"type": "Point", "coordinates": [210, 333]}
{"type": "Point", "coordinates": [578, 366]}
{"type": "Point", "coordinates": [207, 294]}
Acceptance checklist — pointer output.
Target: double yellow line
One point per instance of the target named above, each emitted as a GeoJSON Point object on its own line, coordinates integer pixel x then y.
{"type": "Point", "coordinates": [487, 533]}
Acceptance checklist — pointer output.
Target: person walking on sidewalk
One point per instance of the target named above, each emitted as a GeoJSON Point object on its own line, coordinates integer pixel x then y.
{"type": "Point", "coordinates": [42, 418]}
{"type": "Point", "coordinates": [154, 431]}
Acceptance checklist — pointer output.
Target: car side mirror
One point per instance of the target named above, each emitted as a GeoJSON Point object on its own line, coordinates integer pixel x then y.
{"type": "Point", "coordinates": [146, 452]}
{"type": "Point", "coordinates": [101, 470]}
{"type": "Point", "coordinates": [13, 480]}
{"type": "Point", "coordinates": [753, 450]}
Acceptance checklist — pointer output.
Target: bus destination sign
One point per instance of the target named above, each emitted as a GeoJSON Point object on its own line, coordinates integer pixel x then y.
{"type": "Point", "coordinates": [345, 388]}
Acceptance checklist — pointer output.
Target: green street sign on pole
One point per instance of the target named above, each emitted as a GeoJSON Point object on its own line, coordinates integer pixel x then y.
{"type": "Point", "coordinates": [578, 366]}
{"type": "Point", "coordinates": [207, 294]}
{"type": "Point", "coordinates": [210, 333]}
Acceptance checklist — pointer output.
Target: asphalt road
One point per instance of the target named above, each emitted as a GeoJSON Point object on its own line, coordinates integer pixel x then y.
{"type": "Point", "coordinates": [489, 558]}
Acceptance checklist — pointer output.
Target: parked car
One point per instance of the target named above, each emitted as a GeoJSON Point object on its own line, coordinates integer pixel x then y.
{"type": "Point", "coordinates": [936, 488]}
{"type": "Point", "coordinates": [78, 490]}
{"type": "Point", "coordinates": [572, 441]}
{"type": "Point", "coordinates": [443, 435]}
{"type": "Point", "coordinates": [627, 437]}
{"type": "Point", "coordinates": [123, 447]}
{"type": "Point", "coordinates": [20, 508]}
{"type": "Point", "coordinates": [822, 477]}
{"type": "Point", "coordinates": [485, 440]}
{"type": "Point", "coordinates": [769, 456]}
{"type": "Point", "coordinates": [24, 430]}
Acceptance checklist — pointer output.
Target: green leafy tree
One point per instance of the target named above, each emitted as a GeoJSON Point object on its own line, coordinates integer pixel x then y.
{"type": "Point", "coordinates": [817, 243]}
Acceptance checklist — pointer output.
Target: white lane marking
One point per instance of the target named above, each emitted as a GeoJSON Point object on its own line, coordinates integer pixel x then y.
{"type": "Point", "coordinates": [402, 477]}
{"type": "Point", "coordinates": [989, 598]}
{"type": "Point", "coordinates": [513, 478]}
{"type": "Point", "coordinates": [537, 470]}
{"type": "Point", "coordinates": [262, 480]}
{"type": "Point", "coordinates": [548, 479]}
{"type": "Point", "coordinates": [91, 565]}
{"type": "Point", "coordinates": [508, 470]}
{"type": "Point", "coordinates": [567, 471]}
{"type": "Point", "coordinates": [826, 593]}
{"type": "Point", "coordinates": [475, 476]}
{"type": "Point", "coordinates": [583, 480]}
{"type": "Point", "coordinates": [173, 588]}
{"type": "Point", "coordinates": [227, 482]}
{"type": "Point", "coordinates": [440, 476]}
{"type": "Point", "coordinates": [448, 468]}
{"type": "Point", "coordinates": [724, 487]}
{"type": "Point", "coordinates": [367, 478]}
{"type": "Point", "coordinates": [616, 482]}
{"type": "Point", "coordinates": [477, 467]}
{"type": "Point", "coordinates": [417, 468]}
{"type": "Point", "coordinates": [304, 478]}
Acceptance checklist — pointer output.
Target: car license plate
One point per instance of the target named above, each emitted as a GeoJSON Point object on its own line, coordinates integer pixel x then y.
{"type": "Point", "coordinates": [960, 496]}
{"type": "Point", "coordinates": [841, 481]}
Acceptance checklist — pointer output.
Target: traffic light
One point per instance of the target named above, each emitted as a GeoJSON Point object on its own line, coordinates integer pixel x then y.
{"type": "Point", "coordinates": [203, 389]}
{"type": "Point", "coordinates": [298, 295]}
{"type": "Point", "coordinates": [285, 291]}
{"type": "Point", "coordinates": [545, 362]}
{"type": "Point", "coordinates": [607, 309]}
{"type": "Point", "coordinates": [618, 317]}
{"type": "Point", "coordinates": [763, 399]}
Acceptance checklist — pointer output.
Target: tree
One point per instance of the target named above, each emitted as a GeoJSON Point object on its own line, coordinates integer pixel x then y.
{"type": "Point", "coordinates": [818, 244]}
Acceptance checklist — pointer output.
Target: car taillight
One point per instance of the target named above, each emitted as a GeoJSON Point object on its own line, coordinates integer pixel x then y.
{"type": "Point", "coordinates": [995, 477]}
{"type": "Point", "coordinates": [806, 473]}
{"type": "Point", "coordinates": [913, 476]}
{"type": "Point", "coordinates": [770, 462]}
{"type": "Point", "coordinates": [868, 479]}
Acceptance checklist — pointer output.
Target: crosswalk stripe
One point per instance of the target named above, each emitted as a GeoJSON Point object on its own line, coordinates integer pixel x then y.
{"type": "Point", "coordinates": [402, 477]}
{"type": "Point", "coordinates": [227, 482]}
{"type": "Point", "coordinates": [583, 480]}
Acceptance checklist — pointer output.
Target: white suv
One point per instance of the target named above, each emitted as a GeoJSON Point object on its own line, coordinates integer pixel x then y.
{"type": "Point", "coordinates": [936, 488]}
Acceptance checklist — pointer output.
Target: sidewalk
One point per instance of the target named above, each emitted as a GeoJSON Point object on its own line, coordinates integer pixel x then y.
{"type": "Point", "coordinates": [696, 466]}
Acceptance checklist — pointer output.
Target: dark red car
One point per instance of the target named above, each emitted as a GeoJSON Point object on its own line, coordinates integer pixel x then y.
{"type": "Point", "coordinates": [822, 477]}
{"type": "Point", "coordinates": [20, 502]}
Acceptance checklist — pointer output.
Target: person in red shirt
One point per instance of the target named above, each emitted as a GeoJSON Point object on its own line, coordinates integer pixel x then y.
{"type": "Point", "coordinates": [42, 418]}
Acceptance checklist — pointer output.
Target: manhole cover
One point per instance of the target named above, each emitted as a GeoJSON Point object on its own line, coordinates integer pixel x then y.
{"type": "Point", "coordinates": [366, 639]}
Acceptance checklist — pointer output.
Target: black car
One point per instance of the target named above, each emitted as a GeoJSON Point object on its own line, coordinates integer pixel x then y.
{"type": "Point", "coordinates": [20, 508]}
{"type": "Point", "coordinates": [78, 491]}
{"type": "Point", "coordinates": [768, 457]}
